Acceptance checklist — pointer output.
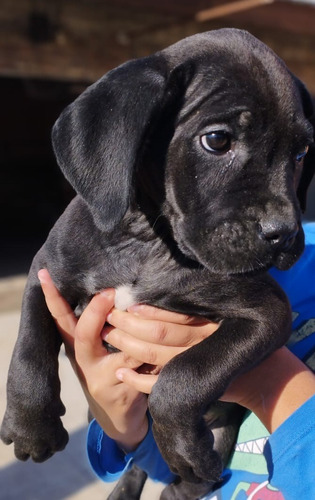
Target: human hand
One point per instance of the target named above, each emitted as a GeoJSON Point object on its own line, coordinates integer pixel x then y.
{"type": "Point", "coordinates": [273, 390]}
{"type": "Point", "coordinates": [119, 409]}
{"type": "Point", "coordinates": [153, 336]}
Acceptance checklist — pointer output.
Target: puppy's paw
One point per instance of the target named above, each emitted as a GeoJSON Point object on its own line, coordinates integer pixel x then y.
{"type": "Point", "coordinates": [191, 455]}
{"type": "Point", "coordinates": [193, 468]}
{"type": "Point", "coordinates": [182, 490]}
{"type": "Point", "coordinates": [38, 440]}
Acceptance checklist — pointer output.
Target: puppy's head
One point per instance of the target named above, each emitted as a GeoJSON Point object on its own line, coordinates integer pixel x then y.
{"type": "Point", "coordinates": [212, 133]}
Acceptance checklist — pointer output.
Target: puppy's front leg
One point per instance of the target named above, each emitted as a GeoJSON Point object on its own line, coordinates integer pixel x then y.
{"type": "Point", "coordinates": [193, 380]}
{"type": "Point", "coordinates": [32, 418]}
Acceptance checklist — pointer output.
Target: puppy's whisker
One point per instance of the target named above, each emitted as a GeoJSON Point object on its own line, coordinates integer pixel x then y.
{"type": "Point", "coordinates": [156, 220]}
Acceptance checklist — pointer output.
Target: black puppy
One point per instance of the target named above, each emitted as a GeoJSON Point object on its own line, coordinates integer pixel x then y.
{"type": "Point", "coordinates": [186, 165]}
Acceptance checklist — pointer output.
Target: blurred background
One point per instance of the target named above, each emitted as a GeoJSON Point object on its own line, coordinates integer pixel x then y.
{"type": "Point", "coordinates": [50, 50]}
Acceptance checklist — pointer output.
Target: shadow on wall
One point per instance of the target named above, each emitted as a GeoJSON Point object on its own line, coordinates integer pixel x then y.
{"type": "Point", "coordinates": [33, 192]}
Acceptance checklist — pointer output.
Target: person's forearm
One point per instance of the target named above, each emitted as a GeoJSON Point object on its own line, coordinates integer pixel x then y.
{"type": "Point", "coordinates": [129, 437]}
{"type": "Point", "coordinates": [128, 432]}
{"type": "Point", "coordinates": [278, 387]}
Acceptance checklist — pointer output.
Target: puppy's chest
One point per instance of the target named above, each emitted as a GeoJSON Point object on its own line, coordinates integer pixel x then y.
{"type": "Point", "coordinates": [148, 274]}
{"type": "Point", "coordinates": [171, 287]}
{"type": "Point", "coordinates": [157, 280]}
{"type": "Point", "coordinates": [125, 297]}
{"type": "Point", "coordinates": [138, 273]}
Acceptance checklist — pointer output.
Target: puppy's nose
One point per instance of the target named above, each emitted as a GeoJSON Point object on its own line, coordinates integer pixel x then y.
{"type": "Point", "coordinates": [279, 234]}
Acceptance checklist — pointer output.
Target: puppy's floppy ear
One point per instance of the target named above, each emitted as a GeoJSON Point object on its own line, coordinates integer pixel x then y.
{"type": "Point", "coordinates": [97, 138]}
{"type": "Point", "coordinates": [309, 161]}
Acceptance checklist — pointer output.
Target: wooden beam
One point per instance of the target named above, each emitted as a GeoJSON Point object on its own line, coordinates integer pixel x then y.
{"type": "Point", "coordinates": [90, 38]}
{"type": "Point", "coordinates": [86, 40]}
{"type": "Point", "coordinates": [64, 59]}
{"type": "Point", "coordinates": [228, 9]}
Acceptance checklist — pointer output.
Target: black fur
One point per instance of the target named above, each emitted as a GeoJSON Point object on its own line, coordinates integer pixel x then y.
{"type": "Point", "coordinates": [190, 230]}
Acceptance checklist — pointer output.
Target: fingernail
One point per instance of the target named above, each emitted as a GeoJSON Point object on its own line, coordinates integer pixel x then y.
{"type": "Point", "coordinates": [109, 317]}
{"type": "Point", "coordinates": [42, 276]}
{"type": "Point", "coordinates": [136, 308]}
{"type": "Point", "coordinates": [120, 374]}
{"type": "Point", "coordinates": [108, 293]}
{"type": "Point", "coordinates": [104, 335]}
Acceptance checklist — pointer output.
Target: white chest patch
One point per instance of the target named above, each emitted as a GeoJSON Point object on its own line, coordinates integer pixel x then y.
{"type": "Point", "coordinates": [123, 297]}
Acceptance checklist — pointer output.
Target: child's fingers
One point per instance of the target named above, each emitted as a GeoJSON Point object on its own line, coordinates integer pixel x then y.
{"type": "Point", "coordinates": [88, 341]}
{"type": "Point", "coordinates": [155, 313]}
{"type": "Point", "coordinates": [161, 332]}
{"type": "Point", "coordinates": [58, 307]}
{"type": "Point", "coordinates": [146, 352]}
{"type": "Point", "coordinates": [140, 382]}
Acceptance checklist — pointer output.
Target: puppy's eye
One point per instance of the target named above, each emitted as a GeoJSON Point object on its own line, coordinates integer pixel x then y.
{"type": "Point", "coordinates": [301, 155]}
{"type": "Point", "coordinates": [218, 142]}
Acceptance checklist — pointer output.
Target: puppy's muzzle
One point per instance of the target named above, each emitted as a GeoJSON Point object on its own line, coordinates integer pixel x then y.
{"type": "Point", "coordinates": [280, 235]}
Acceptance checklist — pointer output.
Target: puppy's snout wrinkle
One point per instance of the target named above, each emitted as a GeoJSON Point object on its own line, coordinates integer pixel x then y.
{"type": "Point", "coordinates": [278, 233]}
